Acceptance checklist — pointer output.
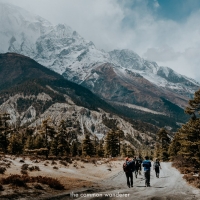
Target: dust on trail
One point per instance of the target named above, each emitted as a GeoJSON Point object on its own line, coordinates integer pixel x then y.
{"type": "Point", "coordinates": [170, 186]}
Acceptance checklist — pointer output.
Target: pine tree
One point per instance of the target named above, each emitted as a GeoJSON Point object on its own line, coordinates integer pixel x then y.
{"type": "Point", "coordinates": [100, 149]}
{"type": "Point", "coordinates": [15, 144]}
{"type": "Point", "coordinates": [112, 144]}
{"type": "Point", "coordinates": [5, 130]}
{"type": "Point", "coordinates": [29, 143]}
{"type": "Point", "coordinates": [74, 148]}
{"type": "Point", "coordinates": [87, 146]}
{"type": "Point", "coordinates": [63, 138]}
{"type": "Point", "coordinates": [130, 151]}
{"type": "Point", "coordinates": [54, 146]}
{"type": "Point", "coordinates": [48, 132]}
{"type": "Point", "coordinates": [95, 143]}
{"type": "Point", "coordinates": [189, 139]}
{"type": "Point", "coordinates": [186, 142]}
{"type": "Point", "coordinates": [120, 135]}
{"type": "Point", "coordinates": [162, 145]}
{"type": "Point", "coordinates": [174, 147]}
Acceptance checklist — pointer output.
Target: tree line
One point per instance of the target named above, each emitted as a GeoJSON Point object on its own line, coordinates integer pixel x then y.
{"type": "Point", "coordinates": [184, 147]}
{"type": "Point", "coordinates": [62, 140]}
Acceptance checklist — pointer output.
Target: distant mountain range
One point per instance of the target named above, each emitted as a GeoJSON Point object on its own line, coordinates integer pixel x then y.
{"type": "Point", "coordinates": [30, 93]}
{"type": "Point", "coordinates": [121, 77]}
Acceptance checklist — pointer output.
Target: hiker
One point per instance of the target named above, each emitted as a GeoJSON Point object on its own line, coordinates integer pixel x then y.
{"type": "Point", "coordinates": [129, 168]}
{"type": "Point", "coordinates": [137, 166]}
{"type": "Point", "coordinates": [147, 168]}
{"type": "Point", "coordinates": [157, 167]}
{"type": "Point", "coordinates": [139, 160]}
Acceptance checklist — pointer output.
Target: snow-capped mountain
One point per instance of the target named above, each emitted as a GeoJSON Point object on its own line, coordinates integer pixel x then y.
{"type": "Point", "coordinates": [117, 76]}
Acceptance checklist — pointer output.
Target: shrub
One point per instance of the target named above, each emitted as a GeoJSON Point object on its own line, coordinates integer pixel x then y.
{"type": "Point", "coordinates": [16, 180]}
{"type": "Point", "coordinates": [24, 167]}
{"type": "Point", "coordinates": [22, 180]}
{"type": "Point", "coordinates": [38, 186]}
{"type": "Point", "coordinates": [69, 160]}
{"type": "Point", "coordinates": [24, 172]}
{"type": "Point", "coordinates": [1, 188]}
{"type": "Point", "coordinates": [53, 183]}
{"type": "Point", "coordinates": [55, 167]}
{"type": "Point", "coordinates": [2, 170]}
{"type": "Point", "coordinates": [63, 163]}
{"type": "Point", "coordinates": [31, 168]}
{"type": "Point", "coordinates": [53, 163]}
{"type": "Point", "coordinates": [37, 168]}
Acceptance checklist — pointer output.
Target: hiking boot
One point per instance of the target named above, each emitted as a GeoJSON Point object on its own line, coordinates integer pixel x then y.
{"type": "Point", "coordinates": [131, 185]}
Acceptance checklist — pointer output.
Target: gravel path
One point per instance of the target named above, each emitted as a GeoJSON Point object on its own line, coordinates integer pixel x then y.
{"type": "Point", "coordinates": [169, 186]}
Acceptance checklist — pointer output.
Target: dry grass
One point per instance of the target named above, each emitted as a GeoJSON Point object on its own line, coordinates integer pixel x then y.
{"type": "Point", "coordinates": [193, 180]}
{"type": "Point", "coordinates": [186, 167]}
{"type": "Point", "coordinates": [21, 181]}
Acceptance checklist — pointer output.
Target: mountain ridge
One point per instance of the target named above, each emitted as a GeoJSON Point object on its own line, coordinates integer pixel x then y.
{"type": "Point", "coordinates": [135, 80]}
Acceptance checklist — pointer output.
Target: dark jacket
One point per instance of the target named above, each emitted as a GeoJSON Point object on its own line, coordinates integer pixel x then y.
{"type": "Point", "coordinates": [130, 166]}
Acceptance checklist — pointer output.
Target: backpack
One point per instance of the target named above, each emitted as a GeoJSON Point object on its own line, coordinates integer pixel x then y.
{"type": "Point", "coordinates": [126, 167]}
{"type": "Point", "coordinates": [137, 163]}
{"type": "Point", "coordinates": [157, 164]}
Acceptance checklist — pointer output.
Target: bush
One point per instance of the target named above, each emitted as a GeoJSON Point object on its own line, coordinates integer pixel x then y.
{"type": "Point", "coordinates": [53, 163]}
{"type": "Point", "coordinates": [24, 167]}
{"type": "Point", "coordinates": [16, 180]}
{"type": "Point", "coordinates": [37, 168]}
{"type": "Point", "coordinates": [1, 188]}
{"type": "Point", "coordinates": [55, 167]}
{"type": "Point", "coordinates": [24, 172]}
{"type": "Point", "coordinates": [63, 163]}
{"type": "Point", "coordinates": [2, 170]}
{"type": "Point", "coordinates": [22, 180]}
{"type": "Point", "coordinates": [38, 186]}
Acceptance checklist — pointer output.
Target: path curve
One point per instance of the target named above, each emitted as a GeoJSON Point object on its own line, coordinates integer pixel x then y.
{"type": "Point", "coordinates": [169, 186]}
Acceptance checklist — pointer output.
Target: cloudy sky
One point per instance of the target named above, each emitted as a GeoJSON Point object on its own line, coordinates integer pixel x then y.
{"type": "Point", "coordinates": [165, 31]}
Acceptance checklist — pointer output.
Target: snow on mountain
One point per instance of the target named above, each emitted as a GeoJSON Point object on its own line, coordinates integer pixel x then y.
{"type": "Point", "coordinates": [66, 52]}
{"type": "Point", "coordinates": [159, 75]}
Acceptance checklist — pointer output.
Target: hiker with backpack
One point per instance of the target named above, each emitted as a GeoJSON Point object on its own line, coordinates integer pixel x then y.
{"type": "Point", "coordinates": [139, 160]}
{"type": "Point", "coordinates": [129, 168]}
{"type": "Point", "coordinates": [147, 169]}
{"type": "Point", "coordinates": [137, 166]}
{"type": "Point", "coordinates": [157, 167]}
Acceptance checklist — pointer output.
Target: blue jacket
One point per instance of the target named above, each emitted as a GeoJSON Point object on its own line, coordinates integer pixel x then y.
{"type": "Point", "coordinates": [147, 165]}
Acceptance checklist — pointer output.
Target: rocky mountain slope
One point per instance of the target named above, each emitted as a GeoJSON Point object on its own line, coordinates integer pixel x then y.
{"type": "Point", "coordinates": [120, 76]}
{"type": "Point", "coordinates": [31, 93]}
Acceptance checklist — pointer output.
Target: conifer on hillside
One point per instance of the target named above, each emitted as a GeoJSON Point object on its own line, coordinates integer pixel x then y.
{"type": "Point", "coordinates": [162, 145]}
{"type": "Point", "coordinates": [87, 146]}
{"type": "Point", "coordinates": [112, 143]}
{"type": "Point", "coordinates": [5, 130]}
{"type": "Point", "coordinates": [15, 144]}
{"type": "Point", "coordinates": [186, 142]}
{"type": "Point", "coordinates": [100, 149]}
{"type": "Point", "coordinates": [48, 132]}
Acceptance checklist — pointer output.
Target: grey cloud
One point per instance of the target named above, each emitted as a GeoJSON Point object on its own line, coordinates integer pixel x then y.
{"type": "Point", "coordinates": [162, 54]}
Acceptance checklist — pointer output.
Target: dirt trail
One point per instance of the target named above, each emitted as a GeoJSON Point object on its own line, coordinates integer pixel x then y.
{"type": "Point", "coordinates": [169, 186]}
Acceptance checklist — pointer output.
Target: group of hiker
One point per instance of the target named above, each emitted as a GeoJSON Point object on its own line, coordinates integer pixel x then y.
{"type": "Point", "coordinates": [135, 166]}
